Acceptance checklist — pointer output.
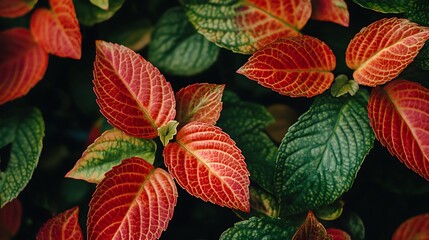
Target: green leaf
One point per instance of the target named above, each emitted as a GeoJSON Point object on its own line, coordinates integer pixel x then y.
{"type": "Point", "coordinates": [134, 35]}
{"type": "Point", "coordinates": [418, 12]}
{"type": "Point", "coordinates": [177, 48]}
{"type": "Point", "coordinates": [262, 204]}
{"type": "Point", "coordinates": [343, 85]}
{"type": "Point", "coordinates": [330, 212]}
{"type": "Point", "coordinates": [385, 6]}
{"type": "Point", "coordinates": [321, 153]}
{"type": "Point", "coordinates": [24, 130]}
{"type": "Point", "coordinates": [89, 14]}
{"type": "Point", "coordinates": [167, 132]}
{"type": "Point", "coordinates": [109, 150]}
{"type": "Point", "coordinates": [103, 4]}
{"type": "Point", "coordinates": [260, 228]}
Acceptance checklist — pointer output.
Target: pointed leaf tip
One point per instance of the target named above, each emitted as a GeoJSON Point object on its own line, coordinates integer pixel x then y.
{"type": "Point", "coordinates": [64, 226]}
{"type": "Point", "coordinates": [311, 229]}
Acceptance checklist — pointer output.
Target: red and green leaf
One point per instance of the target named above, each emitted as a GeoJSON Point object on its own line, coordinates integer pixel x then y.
{"type": "Point", "coordinates": [338, 234]}
{"type": "Point", "coordinates": [57, 30]}
{"type": "Point", "coordinates": [330, 10]}
{"type": "Point", "coordinates": [64, 226]}
{"type": "Point", "coordinates": [415, 228]}
{"type": "Point", "coordinates": [311, 229]}
{"type": "Point", "coordinates": [246, 26]}
{"type": "Point", "coordinates": [134, 200]}
{"type": "Point", "coordinates": [399, 116]}
{"type": "Point", "coordinates": [10, 219]}
{"type": "Point", "coordinates": [201, 102]}
{"type": "Point", "coordinates": [16, 8]}
{"type": "Point", "coordinates": [23, 63]}
{"type": "Point", "coordinates": [206, 162]}
{"type": "Point", "coordinates": [294, 66]}
{"type": "Point", "coordinates": [132, 94]}
{"type": "Point", "coordinates": [381, 51]}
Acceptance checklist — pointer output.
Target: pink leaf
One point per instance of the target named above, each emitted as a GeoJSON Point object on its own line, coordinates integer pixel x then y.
{"type": "Point", "coordinates": [415, 228]}
{"type": "Point", "coordinates": [15, 8]}
{"type": "Point", "coordinates": [379, 52]}
{"type": "Point", "coordinates": [132, 94]}
{"type": "Point", "coordinates": [58, 31]}
{"type": "Point", "coordinates": [311, 229]}
{"type": "Point", "coordinates": [64, 226]}
{"type": "Point", "coordinates": [293, 66]}
{"type": "Point", "coordinates": [205, 161]}
{"type": "Point", "coordinates": [399, 116]}
{"type": "Point", "coordinates": [133, 201]}
{"type": "Point", "coordinates": [338, 234]}
{"type": "Point", "coordinates": [201, 102]}
{"type": "Point", "coordinates": [22, 63]}
{"type": "Point", "coordinates": [330, 10]}
{"type": "Point", "coordinates": [10, 219]}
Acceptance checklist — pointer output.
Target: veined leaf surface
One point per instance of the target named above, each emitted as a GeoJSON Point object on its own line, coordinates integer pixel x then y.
{"type": "Point", "coordinates": [132, 94]}
{"type": "Point", "coordinates": [10, 219]}
{"type": "Point", "coordinates": [294, 66]}
{"type": "Point", "coordinates": [385, 6]}
{"type": "Point", "coordinates": [246, 26]}
{"type": "Point", "coordinates": [206, 163]}
{"type": "Point", "coordinates": [200, 102]}
{"type": "Point", "coordinates": [418, 12]}
{"type": "Point", "coordinates": [143, 202]}
{"type": "Point", "coordinates": [415, 228]}
{"type": "Point", "coordinates": [16, 8]}
{"type": "Point", "coordinates": [399, 114]}
{"type": "Point", "coordinates": [64, 226]}
{"type": "Point", "coordinates": [330, 10]}
{"type": "Point", "coordinates": [109, 150]}
{"type": "Point", "coordinates": [311, 229]}
{"type": "Point", "coordinates": [58, 31]}
{"type": "Point", "coordinates": [321, 153]}
{"type": "Point", "coordinates": [379, 52]}
{"type": "Point", "coordinates": [23, 63]}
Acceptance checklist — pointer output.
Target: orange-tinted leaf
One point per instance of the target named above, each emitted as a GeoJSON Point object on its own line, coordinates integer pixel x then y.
{"type": "Point", "coordinates": [311, 229]}
{"type": "Point", "coordinates": [201, 102]}
{"type": "Point", "coordinates": [10, 219]}
{"type": "Point", "coordinates": [293, 66]}
{"type": "Point", "coordinates": [330, 10]}
{"type": "Point", "coordinates": [132, 94]}
{"type": "Point", "coordinates": [338, 234]}
{"type": "Point", "coordinates": [379, 52]}
{"type": "Point", "coordinates": [15, 8]}
{"type": "Point", "coordinates": [133, 201]}
{"type": "Point", "coordinates": [205, 161]}
{"type": "Point", "coordinates": [415, 228]}
{"type": "Point", "coordinates": [22, 63]}
{"type": "Point", "coordinates": [61, 227]}
{"type": "Point", "coordinates": [57, 30]}
{"type": "Point", "coordinates": [399, 116]}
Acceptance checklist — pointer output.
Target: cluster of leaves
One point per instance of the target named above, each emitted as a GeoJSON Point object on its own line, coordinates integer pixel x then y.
{"type": "Point", "coordinates": [280, 192]}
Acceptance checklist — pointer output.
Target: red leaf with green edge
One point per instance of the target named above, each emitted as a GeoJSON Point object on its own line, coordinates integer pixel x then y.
{"type": "Point", "coordinates": [10, 219]}
{"type": "Point", "coordinates": [311, 229]}
{"type": "Point", "coordinates": [57, 30]}
{"type": "Point", "coordinates": [399, 116]}
{"type": "Point", "coordinates": [338, 234]}
{"type": "Point", "coordinates": [134, 200]}
{"type": "Point", "coordinates": [206, 163]}
{"type": "Point", "coordinates": [61, 227]}
{"type": "Point", "coordinates": [415, 228]}
{"type": "Point", "coordinates": [23, 63]}
{"type": "Point", "coordinates": [379, 52]}
{"type": "Point", "coordinates": [201, 102]}
{"type": "Point", "coordinates": [294, 66]}
{"type": "Point", "coordinates": [330, 10]}
{"type": "Point", "coordinates": [15, 8]}
{"type": "Point", "coordinates": [132, 94]}
{"type": "Point", "coordinates": [246, 26]}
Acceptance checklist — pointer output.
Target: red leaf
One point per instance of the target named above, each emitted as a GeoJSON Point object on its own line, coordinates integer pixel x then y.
{"type": "Point", "coordinates": [15, 8]}
{"type": "Point", "coordinates": [379, 52]}
{"type": "Point", "coordinates": [399, 116]}
{"type": "Point", "coordinates": [201, 102]}
{"type": "Point", "coordinates": [10, 219]}
{"type": "Point", "coordinates": [134, 200]}
{"type": "Point", "coordinates": [132, 94]}
{"type": "Point", "coordinates": [293, 66]}
{"type": "Point", "coordinates": [311, 229]}
{"type": "Point", "coordinates": [22, 63]}
{"type": "Point", "coordinates": [61, 227]}
{"type": "Point", "coordinates": [206, 163]}
{"type": "Point", "coordinates": [58, 31]}
{"type": "Point", "coordinates": [338, 234]}
{"type": "Point", "coordinates": [415, 228]}
{"type": "Point", "coordinates": [331, 11]}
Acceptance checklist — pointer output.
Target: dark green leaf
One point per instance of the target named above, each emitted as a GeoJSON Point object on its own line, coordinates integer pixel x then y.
{"type": "Point", "coordinates": [262, 204]}
{"type": "Point", "coordinates": [418, 12]}
{"type": "Point", "coordinates": [103, 4]}
{"type": "Point", "coordinates": [134, 35]}
{"type": "Point", "coordinates": [89, 14]}
{"type": "Point", "coordinates": [385, 6]}
{"type": "Point", "coordinates": [320, 155]}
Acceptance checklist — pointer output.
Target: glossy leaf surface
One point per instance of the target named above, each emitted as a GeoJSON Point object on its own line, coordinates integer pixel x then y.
{"type": "Point", "coordinates": [385, 6]}
{"type": "Point", "coordinates": [246, 26]}
{"type": "Point", "coordinates": [57, 30]}
{"type": "Point", "coordinates": [132, 94]}
{"type": "Point", "coordinates": [103, 4]}
{"type": "Point", "coordinates": [109, 150]}
{"type": "Point", "coordinates": [324, 151]}
{"type": "Point", "coordinates": [134, 200]}
{"type": "Point", "coordinates": [23, 129]}
{"type": "Point", "coordinates": [381, 51]}
{"type": "Point", "coordinates": [89, 14]}
{"type": "Point", "coordinates": [206, 163]}
{"type": "Point", "coordinates": [201, 102]}
{"type": "Point", "coordinates": [295, 66]}
{"type": "Point", "coordinates": [16, 8]}
{"type": "Point", "coordinates": [399, 114]}
{"type": "Point", "coordinates": [311, 229]}
{"type": "Point", "coordinates": [10, 219]}
{"type": "Point", "coordinates": [415, 228]}
{"type": "Point", "coordinates": [64, 226]}
{"type": "Point", "coordinates": [330, 10]}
